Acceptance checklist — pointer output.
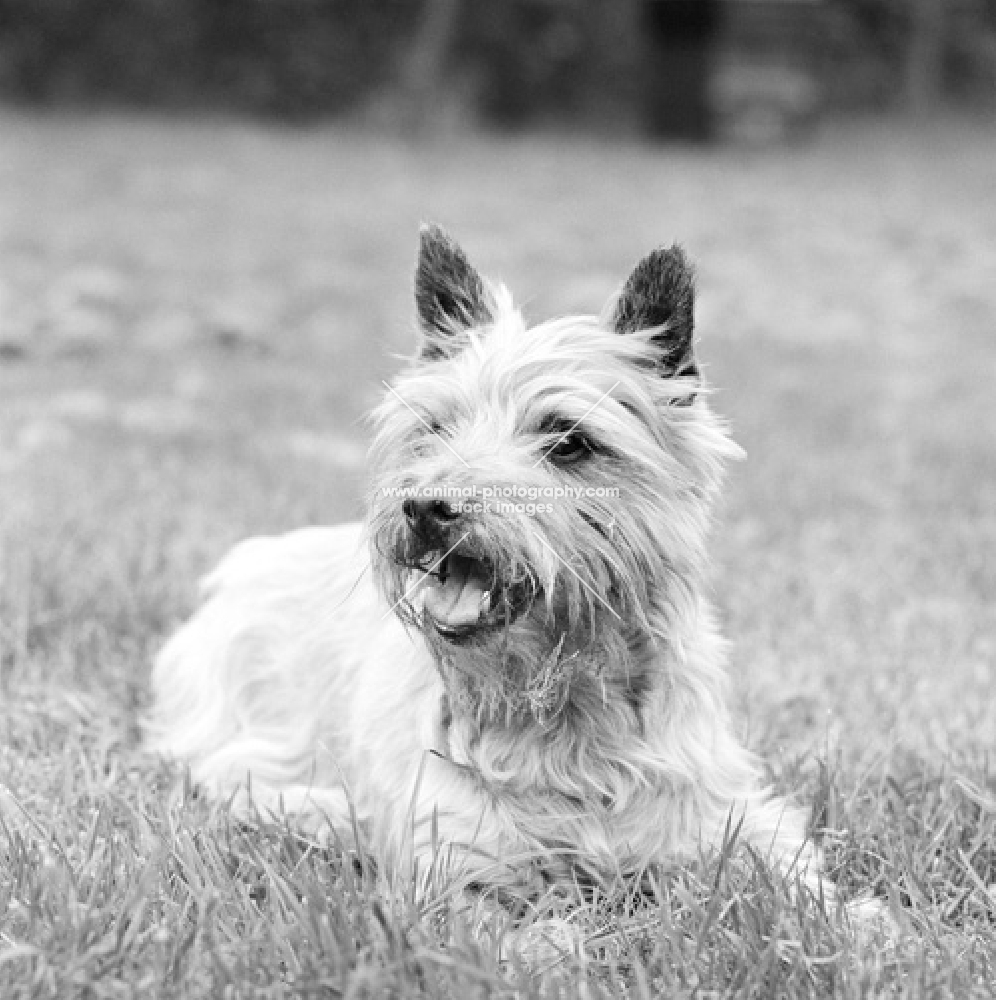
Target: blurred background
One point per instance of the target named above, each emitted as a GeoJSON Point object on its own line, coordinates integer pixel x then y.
{"type": "Point", "coordinates": [208, 219]}
{"type": "Point", "coordinates": [692, 68]}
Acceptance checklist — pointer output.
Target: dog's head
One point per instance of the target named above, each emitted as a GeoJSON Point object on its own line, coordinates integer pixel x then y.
{"type": "Point", "coordinates": [541, 495]}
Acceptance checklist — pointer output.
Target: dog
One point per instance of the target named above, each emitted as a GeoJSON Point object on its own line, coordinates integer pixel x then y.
{"type": "Point", "coordinates": [514, 659]}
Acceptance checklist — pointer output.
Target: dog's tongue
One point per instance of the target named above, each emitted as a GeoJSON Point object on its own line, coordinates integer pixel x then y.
{"type": "Point", "coordinates": [459, 600]}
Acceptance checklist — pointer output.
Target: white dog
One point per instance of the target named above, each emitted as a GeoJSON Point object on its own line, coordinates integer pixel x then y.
{"type": "Point", "coordinates": [513, 659]}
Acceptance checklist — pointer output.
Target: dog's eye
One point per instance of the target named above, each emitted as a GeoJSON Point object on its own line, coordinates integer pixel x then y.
{"type": "Point", "coordinates": [570, 448]}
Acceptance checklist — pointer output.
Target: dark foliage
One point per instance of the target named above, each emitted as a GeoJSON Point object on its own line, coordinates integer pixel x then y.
{"type": "Point", "coordinates": [508, 61]}
{"type": "Point", "coordinates": [286, 57]}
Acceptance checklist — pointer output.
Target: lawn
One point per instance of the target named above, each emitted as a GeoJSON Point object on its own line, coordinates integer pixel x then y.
{"type": "Point", "coordinates": [194, 319]}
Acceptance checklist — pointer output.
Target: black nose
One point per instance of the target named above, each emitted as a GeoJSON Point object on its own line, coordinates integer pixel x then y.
{"type": "Point", "coordinates": [427, 509]}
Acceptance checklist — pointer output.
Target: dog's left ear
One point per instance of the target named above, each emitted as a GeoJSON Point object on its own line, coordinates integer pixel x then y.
{"type": "Point", "coordinates": [450, 296]}
{"type": "Point", "coordinates": [660, 294]}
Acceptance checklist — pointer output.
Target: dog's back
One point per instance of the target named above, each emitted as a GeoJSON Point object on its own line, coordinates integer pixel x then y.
{"type": "Point", "coordinates": [263, 677]}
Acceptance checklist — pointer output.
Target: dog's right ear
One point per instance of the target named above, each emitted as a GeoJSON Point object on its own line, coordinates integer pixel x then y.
{"type": "Point", "coordinates": [450, 296]}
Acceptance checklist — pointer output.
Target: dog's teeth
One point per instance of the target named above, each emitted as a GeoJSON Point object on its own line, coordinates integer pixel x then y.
{"type": "Point", "coordinates": [485, 602]}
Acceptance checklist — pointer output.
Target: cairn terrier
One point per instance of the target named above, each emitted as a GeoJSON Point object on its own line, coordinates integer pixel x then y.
{"type": "Point", "coordinates": [514, 659]}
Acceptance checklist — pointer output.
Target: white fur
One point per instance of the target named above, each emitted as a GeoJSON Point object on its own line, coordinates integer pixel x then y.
{"type": "Point", "coordinates": [296, 680]}
{"type": "Point", "coordinates": [294, 672]}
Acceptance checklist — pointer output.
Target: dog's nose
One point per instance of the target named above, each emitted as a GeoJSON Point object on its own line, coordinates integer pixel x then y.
{"type": "Point", "coordinates": [429, 509]}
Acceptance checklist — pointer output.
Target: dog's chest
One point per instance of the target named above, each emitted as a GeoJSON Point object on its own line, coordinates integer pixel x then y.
{"type": "Point", "coordinates": [537, 774]}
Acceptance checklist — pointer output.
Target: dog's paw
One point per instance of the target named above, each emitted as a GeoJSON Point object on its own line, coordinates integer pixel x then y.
{"type": "Point", "coordinates": [871, 920]}
{"type": "Point", "coordinates": [544, 943]}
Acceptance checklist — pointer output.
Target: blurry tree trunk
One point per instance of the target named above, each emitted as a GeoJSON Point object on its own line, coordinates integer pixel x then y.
{"type": "Point", "coordinates": [422, 77]}
{"type": "Point", "coordinates": [924, 55]}
{"type": "Point", "coordinates": [680, 38]}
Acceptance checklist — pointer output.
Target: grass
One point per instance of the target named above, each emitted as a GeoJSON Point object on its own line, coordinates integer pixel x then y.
{"type": "Point", "coordinates": [194, 318]}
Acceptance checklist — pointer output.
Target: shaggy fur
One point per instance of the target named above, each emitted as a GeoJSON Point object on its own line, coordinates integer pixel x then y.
{"type": "Point", "coordinates": [540, 693]}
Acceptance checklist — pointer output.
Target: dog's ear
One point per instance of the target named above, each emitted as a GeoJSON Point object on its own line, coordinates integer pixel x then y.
{"type": "Point", "coordinates": [450, 296]}
{"type": "Point", "coordinates": [660, 294]}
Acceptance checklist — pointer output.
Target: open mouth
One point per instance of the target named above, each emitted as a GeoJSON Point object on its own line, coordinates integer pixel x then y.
{"type": "Point", "coordinates": [463, 594]}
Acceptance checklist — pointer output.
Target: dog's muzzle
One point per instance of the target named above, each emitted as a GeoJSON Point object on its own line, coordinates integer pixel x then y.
{"type": "Point", "coordinates": [463, 594]}
{"type": "Point", "coordinates": [464, 591]}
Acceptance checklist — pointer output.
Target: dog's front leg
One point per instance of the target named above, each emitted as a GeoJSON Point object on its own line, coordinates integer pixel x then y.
{"type": "Point", "coordinates": [452, 827]}
{"type": "Point", "coordinates": [460, 848]}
